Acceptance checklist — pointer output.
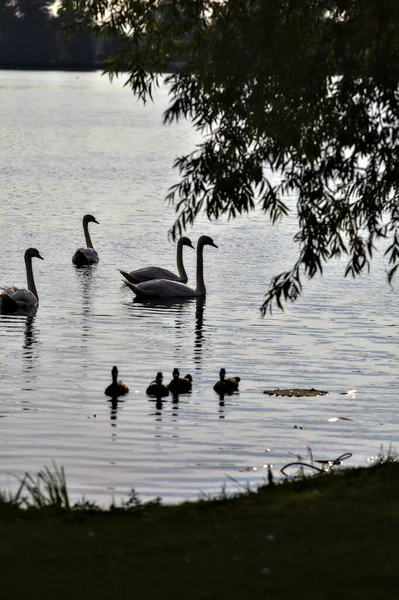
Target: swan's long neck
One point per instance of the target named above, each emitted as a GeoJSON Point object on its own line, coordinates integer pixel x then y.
{"type": "Point", "coordinates": [29, 276]}
{"type": "Point", "coordinates": [200, 289]}
{"type": "Point", "coordinates": [87, 234]}
{"type": "Point", "coordinates": [114, 377]}
{"type": "Point", "coordinates": [179, 260]}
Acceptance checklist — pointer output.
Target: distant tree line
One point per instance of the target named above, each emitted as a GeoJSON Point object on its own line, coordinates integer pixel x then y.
{"type": "Point", "coordinates": [33, 36]}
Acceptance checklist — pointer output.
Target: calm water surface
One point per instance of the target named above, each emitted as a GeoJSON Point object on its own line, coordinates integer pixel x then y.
{"type": "Point", "coordinates": [72, 143]}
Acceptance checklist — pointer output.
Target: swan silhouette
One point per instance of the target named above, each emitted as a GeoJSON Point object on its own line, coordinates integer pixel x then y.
{"type": "Point", "coordinates": [226, 386]}
{"type": "Point", "coordinates": [86, 256]}
{"type": "Point", "coordinates": [14, 298]}
{"type": "Point", "coordinates": [163, 288]}
{"type": "Point", "coordinates": [157, 388]}
{"type": "Point", "coordinates": [180, 385]}
{"type": "Point", "coordinates": [116, 388]}
{"type": "Point", "coordinates": [150, 273]}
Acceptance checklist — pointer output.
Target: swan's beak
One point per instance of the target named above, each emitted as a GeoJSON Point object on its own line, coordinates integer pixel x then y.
{"type": "Point", "coordinates": [213, 244]}
{"type": "Point", "coordinates": [191, 245]}
{"type": "Point", "coordinates": [95, 221]}
{"type": "Point", "coordinates": [38, 256]}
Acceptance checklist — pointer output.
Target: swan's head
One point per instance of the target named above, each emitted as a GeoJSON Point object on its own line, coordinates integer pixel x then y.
{"type": "Point", "coordinates": [159, 378]}
{"type": "Point", "coordinates": [205, 240]}
{"type": "Point", "coordinates": [176, 373]}
{"type": "Point", "coordinates": [114, 372]}
{"type": "Point", "coordinates": [222, 373]}
{"type": "Point", "coordinates": [185, 241]}
{"type": "Point", "coordinates": [90, 219]}
{"type": "Point", "coordinates": [33, 253]}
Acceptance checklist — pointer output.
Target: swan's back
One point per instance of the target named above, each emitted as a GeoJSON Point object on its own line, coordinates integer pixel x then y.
{"type": "Point", "coordinates": [85, 256]}
{"type": "Point", "coordinates": [13, 297]}
{"type": "Point", "coordinates": [149, 274]}
{"type": "Point", "coordinates": [162, 288]}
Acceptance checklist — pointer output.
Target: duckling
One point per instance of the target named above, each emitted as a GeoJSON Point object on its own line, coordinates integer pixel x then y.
{"type": "Point", "coordinates": [157, 388]}
{"type": "Point", "coordinates": [116, 388]}
{"type": "Point", "coordinates": [180, 385]}
{"type": "Point", "coordinates": [226, 386]}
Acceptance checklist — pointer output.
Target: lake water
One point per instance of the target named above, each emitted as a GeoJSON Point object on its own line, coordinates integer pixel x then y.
{"type": "Point", "coordinates": [72, 143]}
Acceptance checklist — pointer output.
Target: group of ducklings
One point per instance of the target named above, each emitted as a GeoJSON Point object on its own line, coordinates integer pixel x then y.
{"type": "Point", "coordinates": [178, 385]}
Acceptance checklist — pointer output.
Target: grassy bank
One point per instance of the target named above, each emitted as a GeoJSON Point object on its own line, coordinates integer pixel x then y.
{"type": "Point", "coordinates": [330, 536]}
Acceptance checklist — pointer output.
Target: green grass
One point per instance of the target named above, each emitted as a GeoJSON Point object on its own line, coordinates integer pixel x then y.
{"type": "Point", "coordinates": [324, 537]}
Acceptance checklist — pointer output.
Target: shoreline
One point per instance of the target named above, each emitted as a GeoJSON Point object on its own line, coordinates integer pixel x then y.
{"type": "Point", "coordinates": [332, 535]}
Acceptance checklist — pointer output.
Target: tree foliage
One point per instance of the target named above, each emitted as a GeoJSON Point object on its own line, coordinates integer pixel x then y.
{"type": "Point", "coordinates": [30, 35]}
{"type": "Point", "coordinates": [306, 89]}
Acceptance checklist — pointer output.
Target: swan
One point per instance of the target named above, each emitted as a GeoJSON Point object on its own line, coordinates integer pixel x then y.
{"type": "Point", "coordinates": [149, 273]}
{"type": "Point", "coordinates": [180, 385]}
{"type": "Point", "coordinates": [86, 256]}
{"type": "Point", "coordinates": [226, 386]}
{"type": "Point", "coordinates": [13, 298]}
{"type": "Point", "coordinates": [116, 388]}
{"type": "Point", "coordinates": [157, 388]}
{"type": "Point", "coordinates": [163, 288]}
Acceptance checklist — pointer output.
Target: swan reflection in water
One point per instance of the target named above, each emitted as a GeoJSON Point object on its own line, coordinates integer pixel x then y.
{"type": "Point", "coordinates": [86, 276]}
{"type": "Point", "coordinates": [30, 346]}
{"type": "Point", "coordinates": [154, 311]}
{"type": "Point", "coordinates": [12, 325]}
{"type": "Point", "coordinates": [199, 331]}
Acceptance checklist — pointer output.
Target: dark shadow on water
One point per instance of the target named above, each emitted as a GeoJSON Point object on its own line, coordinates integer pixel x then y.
{"type": "Point", "coordinates": [114, 406]}
{"type": "Point", "coordinates": [143, 308]}
{"type": "Point", "coordinates": [158, 407]}
{"type": "Point", "coordinates": [221, 406]}
{"type": "Point", "coordinates": [175, 405]}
